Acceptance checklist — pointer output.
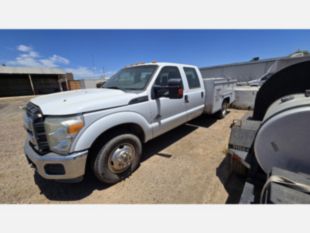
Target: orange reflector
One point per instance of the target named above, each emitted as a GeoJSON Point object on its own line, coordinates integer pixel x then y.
{"type": "Point", "coordinates": [75, 128]}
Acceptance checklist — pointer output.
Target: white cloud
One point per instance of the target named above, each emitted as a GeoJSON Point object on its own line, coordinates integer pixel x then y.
{"type": "Point", "coordinates": [54, 61]}
{"type": "Point", "coordinates": [24, 48]}
{"type": "Point", "coordinates": [29, 57]}
{"type": "Point", "coordinates": [84, 72]}
{"type": "Point", "coordinates": [33, 54]}
{"type": "Point", "coordinates": [24, 61]}
{"type": "Point", "coordinates": [47, 63]}
{"type": "Point", "coordinates": [58, 59]}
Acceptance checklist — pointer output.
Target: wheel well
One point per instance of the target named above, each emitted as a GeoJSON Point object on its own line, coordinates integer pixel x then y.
{"type": "Point", "coordinates": [227, 99]}
{"type": "Point", "coordinates": [116, 130]}
{"type": "Point", "coordinates": [110, 133]}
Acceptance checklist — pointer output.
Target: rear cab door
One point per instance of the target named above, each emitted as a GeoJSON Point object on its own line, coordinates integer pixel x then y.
{"type": "Point", "coordinates": [195, 91]}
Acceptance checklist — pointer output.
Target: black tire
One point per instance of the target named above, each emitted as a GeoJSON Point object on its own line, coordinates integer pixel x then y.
{"type": "Point", "coordinates": [222, 113]}
{"type": "Point", "coordinates": [103, 164]}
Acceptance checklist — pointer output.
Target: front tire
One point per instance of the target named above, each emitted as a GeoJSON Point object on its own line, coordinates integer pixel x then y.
{"type": "Point", "coordinates": [118, 158]}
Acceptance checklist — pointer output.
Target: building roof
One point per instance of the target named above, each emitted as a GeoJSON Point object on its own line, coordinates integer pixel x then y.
{"type": "Point", "coordinates": [30, 70]}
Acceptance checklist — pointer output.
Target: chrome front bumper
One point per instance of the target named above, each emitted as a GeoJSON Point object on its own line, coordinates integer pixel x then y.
{"type": "Point", "coordinates": [72, 165]}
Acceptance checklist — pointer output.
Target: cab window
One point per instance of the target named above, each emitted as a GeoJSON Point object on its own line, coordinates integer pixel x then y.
{"type": "Point", "coordinates": [167, 73]}
{"type": "Point", "coordinates": [192, 77]}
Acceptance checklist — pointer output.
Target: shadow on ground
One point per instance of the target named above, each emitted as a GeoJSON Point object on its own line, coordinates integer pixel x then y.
{"type": "Point", "coordinates": [76, 191]}
{"type": "Point", "coordinates": [232, 183]}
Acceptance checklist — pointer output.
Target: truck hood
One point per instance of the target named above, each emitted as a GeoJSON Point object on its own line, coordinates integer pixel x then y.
{"type": "Point", "coordinates": [80, 101]}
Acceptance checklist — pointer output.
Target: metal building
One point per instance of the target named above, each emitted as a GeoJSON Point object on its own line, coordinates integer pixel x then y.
{"type": "Point", "coordinates": [18, 81]}
{"type": "Point", "coordinates": [256, 69]}
{"type": "Point", "coordinates": [86, 83]}
{"type": "Point", "coordinates": [90, 83]}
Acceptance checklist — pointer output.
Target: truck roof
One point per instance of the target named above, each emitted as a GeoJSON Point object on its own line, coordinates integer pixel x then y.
{"type": "Point", "coordinates": [160, 64]}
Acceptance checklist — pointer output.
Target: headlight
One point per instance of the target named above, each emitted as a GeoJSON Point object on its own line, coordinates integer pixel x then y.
{"type": "Point", "coordinates": [61, 131]}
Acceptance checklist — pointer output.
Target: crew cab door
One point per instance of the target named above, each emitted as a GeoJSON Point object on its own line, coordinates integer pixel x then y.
{"type": "Point", "coordinates": [195, 95]}
{"type": "Point", "coordinates": [167, 113]}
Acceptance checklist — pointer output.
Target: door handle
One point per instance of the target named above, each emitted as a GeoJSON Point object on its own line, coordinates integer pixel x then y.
{"type": "Point", "coordinates": [186, 99]}
{"type": "Point", "coordinates": [202, 94]}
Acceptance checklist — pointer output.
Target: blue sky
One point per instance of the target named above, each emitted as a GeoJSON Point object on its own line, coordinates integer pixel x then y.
{"type": "Point", "coordinates": [89, 53]}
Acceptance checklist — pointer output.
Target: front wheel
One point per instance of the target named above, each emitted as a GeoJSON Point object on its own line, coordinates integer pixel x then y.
{"type": "Point", "coordinates": [118, 158]}
{"type": "Point", "coordinates": [222, 113]}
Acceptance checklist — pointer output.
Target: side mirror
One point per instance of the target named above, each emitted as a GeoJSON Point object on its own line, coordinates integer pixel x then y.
{"type": "Point", "coordinates": [174, 90]}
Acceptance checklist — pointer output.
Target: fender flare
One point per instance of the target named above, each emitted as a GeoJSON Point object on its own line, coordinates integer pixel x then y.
{"type": "Point", "coordinates": [92, 132]}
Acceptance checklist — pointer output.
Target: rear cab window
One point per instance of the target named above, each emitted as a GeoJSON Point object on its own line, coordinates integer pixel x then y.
{"type": "Point", "coordinates": [192, 77]}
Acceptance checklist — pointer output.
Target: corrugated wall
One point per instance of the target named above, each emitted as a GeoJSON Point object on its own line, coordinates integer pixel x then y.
{"type": "Point", "coordinates": [252, 70]}
{"type": "Point", "coordinates": [14, 85]}
{"type": "Point", "coordinates": [242, 73]}
{"type": "Point", "coordinates": [19, 85]}
{"type": "Point", "coordinates": [45, 84]}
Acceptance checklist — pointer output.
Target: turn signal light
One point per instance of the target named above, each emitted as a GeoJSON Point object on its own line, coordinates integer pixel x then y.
{"type": "Point", "coordinates": [75, 128]}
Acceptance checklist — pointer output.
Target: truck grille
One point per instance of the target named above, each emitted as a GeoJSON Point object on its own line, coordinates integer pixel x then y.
{"type": "Point", "coordinates": [35, 115]}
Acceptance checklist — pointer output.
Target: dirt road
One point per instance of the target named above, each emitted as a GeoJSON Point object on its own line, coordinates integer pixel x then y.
{"type": "Point", "coordinates": [186, 165]}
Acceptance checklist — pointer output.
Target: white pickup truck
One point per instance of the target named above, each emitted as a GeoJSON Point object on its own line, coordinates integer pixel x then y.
{"type": "Point", "coordinates": [104, 129]}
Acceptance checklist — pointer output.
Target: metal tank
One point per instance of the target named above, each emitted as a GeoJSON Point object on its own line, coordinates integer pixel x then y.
{"type": "Point", "coordinates": [283, 139]}
{"type": "Point", "coordinates": [275, 137]}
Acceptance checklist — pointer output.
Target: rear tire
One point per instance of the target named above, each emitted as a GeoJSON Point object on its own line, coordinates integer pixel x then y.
{"type": "Point", "coordinates": [223, 112]}
{"type": "Point", "coordinates": [117, 158]}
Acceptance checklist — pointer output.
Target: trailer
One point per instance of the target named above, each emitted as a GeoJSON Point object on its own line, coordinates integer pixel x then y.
{"type": "Point", "coordinates": [270, 146]}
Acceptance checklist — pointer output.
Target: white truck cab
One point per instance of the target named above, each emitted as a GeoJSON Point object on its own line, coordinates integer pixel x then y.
{"type": "Point", "coordinates": [104, 129]}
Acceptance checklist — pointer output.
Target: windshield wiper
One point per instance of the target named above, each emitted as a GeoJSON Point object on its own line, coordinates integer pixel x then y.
{"type": "Point", "coordinates": [114, 87]}
{"type": "Point", "coordinates": [123, 89]}
{"type": "Point", "coordinates": [132, 89]}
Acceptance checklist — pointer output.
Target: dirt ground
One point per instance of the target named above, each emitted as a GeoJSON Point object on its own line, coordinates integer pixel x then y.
{"type": "Point", "coordinates": [185, 165]}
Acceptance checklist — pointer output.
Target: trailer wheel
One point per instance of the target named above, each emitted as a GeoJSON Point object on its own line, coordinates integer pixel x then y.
{"type": "Point", "coordinates": [222, 113]}
{"type": "Point", "coordinates": [117, 158]}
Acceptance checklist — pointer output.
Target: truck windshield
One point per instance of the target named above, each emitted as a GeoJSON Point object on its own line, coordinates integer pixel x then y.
{"type": "Point", "coordinates": [131, 78]}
